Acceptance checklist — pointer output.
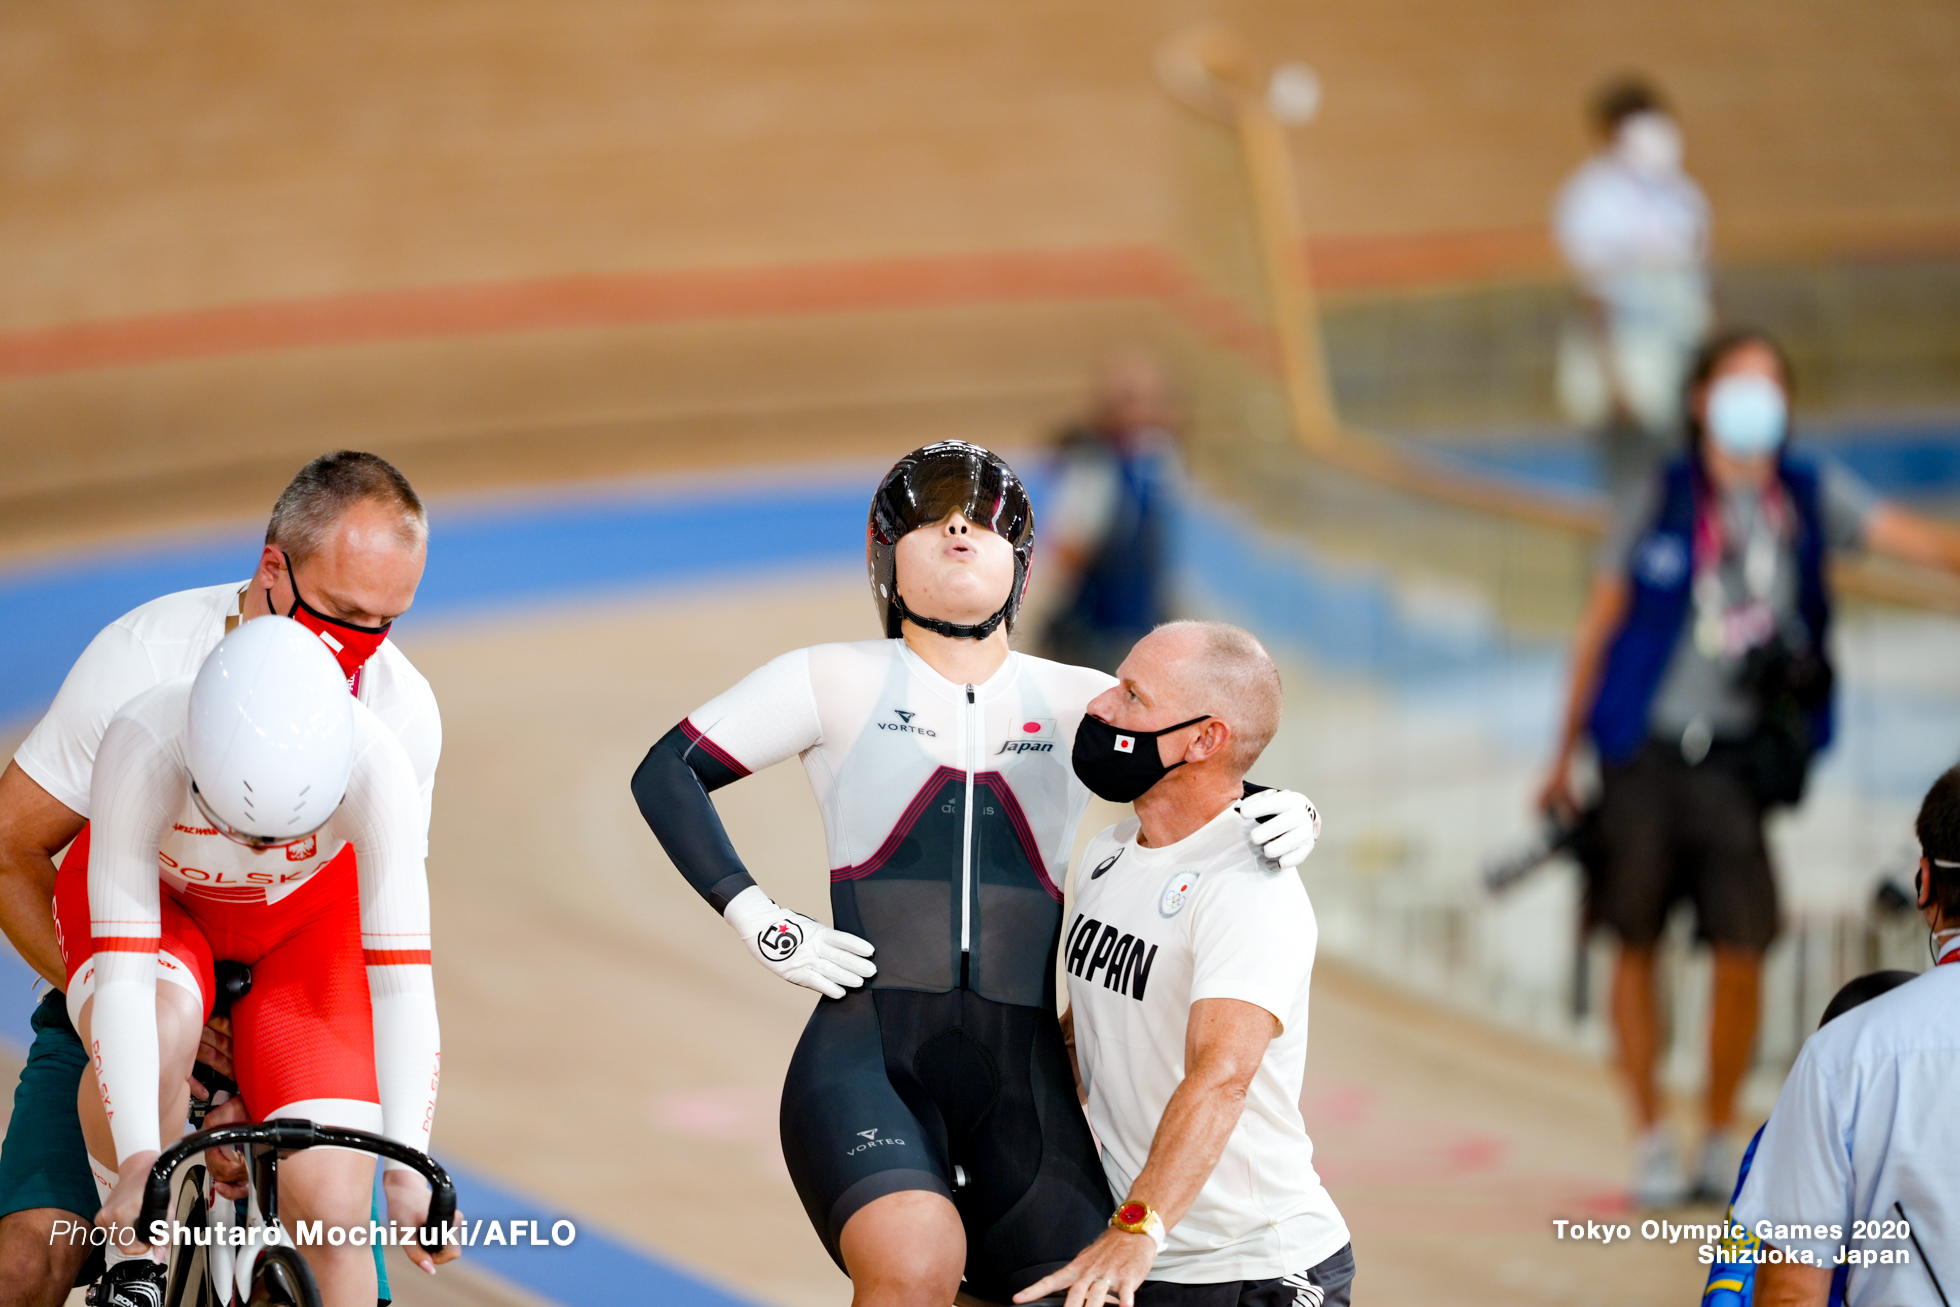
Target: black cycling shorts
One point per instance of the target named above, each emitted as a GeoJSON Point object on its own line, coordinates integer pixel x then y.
{"type": "Point", "coordinates": [893, 1089]}
{"type": "Point", "coordinates": [1328, 1284]}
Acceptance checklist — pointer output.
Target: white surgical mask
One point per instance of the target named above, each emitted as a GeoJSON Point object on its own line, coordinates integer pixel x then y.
{"type": "Point", "coordinates": [1747, 414]}
{"type": "Point", "coordinates": [1649, 143]}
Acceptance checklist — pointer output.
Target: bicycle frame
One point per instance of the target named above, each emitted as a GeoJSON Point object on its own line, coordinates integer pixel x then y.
{"type": "Point", "coordinates": [266, 1142]}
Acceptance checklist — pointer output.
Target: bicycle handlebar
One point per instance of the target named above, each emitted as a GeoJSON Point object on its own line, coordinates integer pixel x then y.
{"type": "Point", "coordinates": [292, 1135]}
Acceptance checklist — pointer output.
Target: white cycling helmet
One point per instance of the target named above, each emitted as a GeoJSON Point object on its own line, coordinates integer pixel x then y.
{"type": "Point", "coordinates": [271, 736]}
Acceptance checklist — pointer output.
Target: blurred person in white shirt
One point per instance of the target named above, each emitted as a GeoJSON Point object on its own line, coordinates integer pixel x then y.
{"type": "Point", "coordinates": [1188, 966]}
{"type": "Point", "coordinates": [1633, 226]}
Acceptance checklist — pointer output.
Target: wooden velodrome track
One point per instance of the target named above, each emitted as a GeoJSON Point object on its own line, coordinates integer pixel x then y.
{"type": "Point", "coordinates": [611, 1054]}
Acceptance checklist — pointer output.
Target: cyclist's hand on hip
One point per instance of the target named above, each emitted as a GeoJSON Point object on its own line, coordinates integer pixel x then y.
{"type": "Point", "coordinates": [227, 1165]}
{"type": "Point", "coordinates": [1283, 825]}
{"type": "Point", "coordinates": [801, 950]}
{"type": "Point", "coordinates": [125, 1202]}
{"type": "Point", "coordinates": [408, 1207]}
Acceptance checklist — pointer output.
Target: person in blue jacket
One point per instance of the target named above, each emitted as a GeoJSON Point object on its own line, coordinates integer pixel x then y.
{"type": "Point", "coordinates": [1700, 674]}
{"type": "Point", "coordinates": [1115, 500]}
{"type": "Point", "coordinates": [1732, 1277]}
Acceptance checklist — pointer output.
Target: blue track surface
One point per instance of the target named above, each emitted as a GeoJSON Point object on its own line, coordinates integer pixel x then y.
{"type": "Point", "coordinates": [1905, 462]}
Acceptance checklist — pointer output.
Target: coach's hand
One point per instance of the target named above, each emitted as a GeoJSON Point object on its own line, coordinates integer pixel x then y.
{"type": "Point", "coordinates": [227, 1164]}
{"type": "Point", "coordinates": [408, 1207]}
{"type": "Point", "coordinates": [1110, 1269]}
{"type": "Point", "coordinates": [800, 950]}
{"type": "Point", "coordinates": [214, 1049]}
{"type": "Point", "coordinates": [1283, 825]}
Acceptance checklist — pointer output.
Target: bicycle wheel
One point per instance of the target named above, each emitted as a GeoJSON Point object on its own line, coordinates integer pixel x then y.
{"type": "Point", "coordinates": [189, 1283]}
{"type": "Point", "coordinates": [281, 1278]}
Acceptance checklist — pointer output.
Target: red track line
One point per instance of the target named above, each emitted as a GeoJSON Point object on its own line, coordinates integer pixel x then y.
{"type": "Point", "coordinates": [628, 299]}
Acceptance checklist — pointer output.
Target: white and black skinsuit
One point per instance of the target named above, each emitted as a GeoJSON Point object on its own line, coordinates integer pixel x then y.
{"type": "Point", "coordinates": [950, 811]}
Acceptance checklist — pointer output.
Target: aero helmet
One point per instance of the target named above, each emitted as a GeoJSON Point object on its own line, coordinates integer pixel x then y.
{"type": "Point", "coordinates": [271, 734]}
{"type": "Point", "coordinates": [921, 489]}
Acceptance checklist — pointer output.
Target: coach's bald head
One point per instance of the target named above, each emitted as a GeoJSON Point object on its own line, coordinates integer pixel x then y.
{"type": "Point", "coordinates": [1212, 670]}
{"type": "Point", "coordinates": [1222, 669]}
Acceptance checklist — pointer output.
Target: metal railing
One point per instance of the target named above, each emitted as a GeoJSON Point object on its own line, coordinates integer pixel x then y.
{"type": "Point", "coordinates": [1426, 611]}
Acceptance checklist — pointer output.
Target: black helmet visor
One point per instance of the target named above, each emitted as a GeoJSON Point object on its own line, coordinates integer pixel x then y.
{"type": "Point", "coordinates": [981, 489]}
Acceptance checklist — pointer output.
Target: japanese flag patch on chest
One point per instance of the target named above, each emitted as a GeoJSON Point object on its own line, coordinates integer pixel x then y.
{"type": "Point", "coordinates": [1029, 735]}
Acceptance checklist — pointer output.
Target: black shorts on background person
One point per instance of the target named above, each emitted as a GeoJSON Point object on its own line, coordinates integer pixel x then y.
{"type": "Point", "coordinates": [1675, 832]}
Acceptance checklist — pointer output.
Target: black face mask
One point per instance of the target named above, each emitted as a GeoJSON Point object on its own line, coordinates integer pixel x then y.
{"type": "Point", "coordinates": [1121, 765]}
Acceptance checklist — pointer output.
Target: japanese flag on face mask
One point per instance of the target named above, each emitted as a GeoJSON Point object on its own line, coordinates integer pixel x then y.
{"type": "Point", "coordinates": [1120, 766]}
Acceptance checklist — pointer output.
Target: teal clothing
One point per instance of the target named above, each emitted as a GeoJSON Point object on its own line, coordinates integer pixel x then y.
{"type": "Point", "coordinates": [44, 1162]}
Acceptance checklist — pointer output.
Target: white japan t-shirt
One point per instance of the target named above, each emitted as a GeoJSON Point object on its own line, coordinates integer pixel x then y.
{"type": "Point", "coordinates": [170, 637]}
{"type": "Point", "coordinates": [1154, 931]}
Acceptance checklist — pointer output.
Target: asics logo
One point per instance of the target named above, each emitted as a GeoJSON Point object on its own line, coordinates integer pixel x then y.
{"type": "Point", "coordinates": [1105, 865]}
{"type": "Point", "coordinates": [779, 941]}
{"type": "Point", "coordinates": [904, 724]}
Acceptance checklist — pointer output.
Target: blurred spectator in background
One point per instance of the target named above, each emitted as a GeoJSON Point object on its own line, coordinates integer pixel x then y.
{"type": "Point", "coordinates": [1866, 1134]}
{"type": "Point", "coordinates": [1634, 228]}
{"type": "Point", "coordinates": [1700, 673]}
{"type": "Point", "coordinates": [1114, 500]}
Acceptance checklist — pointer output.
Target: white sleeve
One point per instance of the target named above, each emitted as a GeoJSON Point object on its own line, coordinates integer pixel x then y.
{"type": "Point", "coordinates": [1590, 223]}
{"type": "Point", "coordinates": [402, 698]}
{"type": "Point", "coordinates": [1252, 938]}
{"type": "Point", "coordinates": [136, 786]}
{"type": "Point", "coordinates": [769, 715]}
{"type": "Point", "coordinates": [1802, 1174]}
{"type": "Point", "coordinates": [59, 754]}
{"type": "Point", "coordinates": [382, 819]}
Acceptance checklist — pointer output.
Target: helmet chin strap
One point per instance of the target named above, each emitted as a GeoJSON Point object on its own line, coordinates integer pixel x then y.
{"type": "Point", "coordinates": [952, 630]}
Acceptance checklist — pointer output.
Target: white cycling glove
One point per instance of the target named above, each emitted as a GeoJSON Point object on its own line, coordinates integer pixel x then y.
{"type": "Point", "coordinates": [1290, 828]}
{"type": "Point", "coordinates": [800, 950]}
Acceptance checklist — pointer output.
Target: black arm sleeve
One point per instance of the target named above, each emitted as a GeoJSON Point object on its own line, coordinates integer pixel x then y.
{"type": "Point", "coordinates": [672, 787]}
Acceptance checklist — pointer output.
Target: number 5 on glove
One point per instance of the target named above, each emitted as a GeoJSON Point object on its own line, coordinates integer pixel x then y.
{"type": "Point", "coordinates": [801, 950]}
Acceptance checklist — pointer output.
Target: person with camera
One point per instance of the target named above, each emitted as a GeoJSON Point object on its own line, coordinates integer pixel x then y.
{"type": "Point", "coordinates": [1701, 673]}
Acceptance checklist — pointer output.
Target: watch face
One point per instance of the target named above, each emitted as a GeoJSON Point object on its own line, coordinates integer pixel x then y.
{"type": "Point", "coordinates": [1132, 1213]}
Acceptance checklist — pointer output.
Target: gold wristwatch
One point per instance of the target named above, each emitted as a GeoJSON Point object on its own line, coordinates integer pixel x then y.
{"type": "Point", "coordinates": [1136, 1217]}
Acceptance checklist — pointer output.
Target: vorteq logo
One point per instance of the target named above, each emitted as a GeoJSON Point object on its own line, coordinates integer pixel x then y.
{"type": "Point", "coordinates": [904, 724]}
{"type": "Point", "coordinates": [871, 1141]}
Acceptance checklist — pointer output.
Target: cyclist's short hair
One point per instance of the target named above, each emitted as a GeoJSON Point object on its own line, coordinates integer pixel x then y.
{"type": "Point", "coordinates": [1233, 676]}
{"type": "Point", "coordinates": [312, 502]}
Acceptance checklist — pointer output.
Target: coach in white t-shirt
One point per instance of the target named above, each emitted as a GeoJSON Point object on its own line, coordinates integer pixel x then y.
{"type": "Point", "coordinates": [1188, 962]}
{"type": "Point", "coordinates": [343, 556]}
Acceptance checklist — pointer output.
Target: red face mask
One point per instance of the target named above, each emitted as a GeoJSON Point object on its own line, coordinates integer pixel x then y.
{"type": "Point", "coordinates": [350, 645]}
